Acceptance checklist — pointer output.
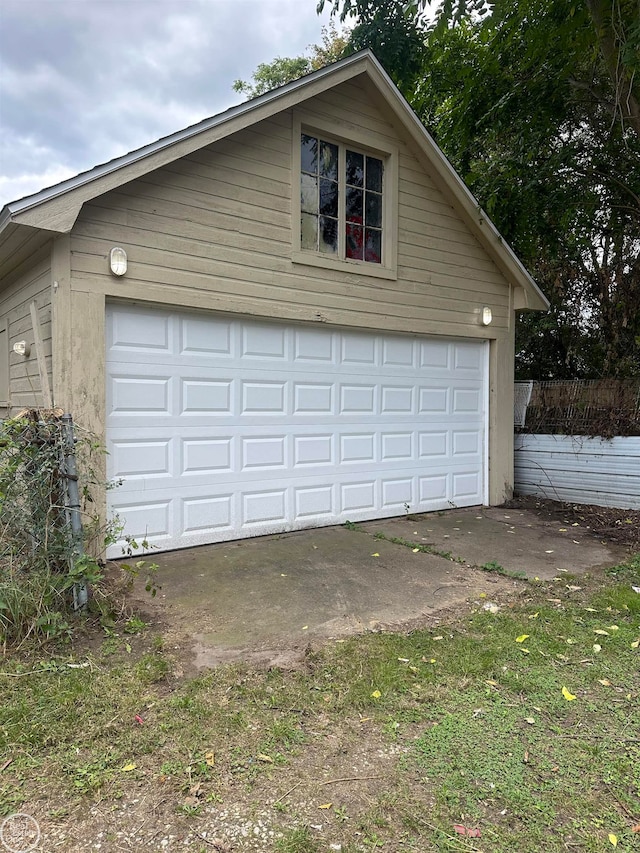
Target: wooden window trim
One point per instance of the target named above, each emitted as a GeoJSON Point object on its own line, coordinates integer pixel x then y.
{"type": "Point", "coordinates": [368, 143]}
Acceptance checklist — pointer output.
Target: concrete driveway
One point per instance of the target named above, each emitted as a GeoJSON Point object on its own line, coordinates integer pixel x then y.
{"type": "Point", "coordinates": [265, 600]}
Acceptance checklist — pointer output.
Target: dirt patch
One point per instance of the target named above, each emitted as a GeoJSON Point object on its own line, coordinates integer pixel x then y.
{"type": "Point", "coordinates": [608, 524]}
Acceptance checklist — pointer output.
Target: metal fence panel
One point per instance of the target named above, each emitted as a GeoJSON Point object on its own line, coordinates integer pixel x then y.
{"type": "Point", "coordinates": [579, 469]}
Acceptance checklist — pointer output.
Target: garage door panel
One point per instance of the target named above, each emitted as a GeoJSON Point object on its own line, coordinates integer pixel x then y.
{"type": "Point", "coordinates": [435, 355]}
{"type": "Point", "coordinates": [313, 347]}
{"type": "Point", "coordinates": [209, 514]}
{"type": "Point", "coordinates": [465, 484]}
{"type": "Point", "coordinates": [140, 394]}
{"type": "Point", "coordinates": [222, 428]}
{"type": "Point", "coordinates": [126, 334]}
{"type": "Point", "coordinates": [201, 338]}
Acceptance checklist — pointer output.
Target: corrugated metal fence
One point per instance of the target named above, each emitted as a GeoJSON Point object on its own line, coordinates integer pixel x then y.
{"type": "Point", "coordinates": [579, 441]}
{"type": "Point", "coordinates": [579, 469]}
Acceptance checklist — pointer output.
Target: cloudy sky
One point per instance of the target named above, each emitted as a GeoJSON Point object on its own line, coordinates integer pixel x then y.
{"type": "Point", "coordinates": [83, 81]}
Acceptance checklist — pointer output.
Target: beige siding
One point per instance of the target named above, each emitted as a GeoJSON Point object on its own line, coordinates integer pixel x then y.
{"type": "Point", "coordinates": [214, 231]}
{"type": "Point", "coordinates": [33, 284]}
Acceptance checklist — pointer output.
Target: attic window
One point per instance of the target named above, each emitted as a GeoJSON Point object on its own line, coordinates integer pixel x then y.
{"type": "Point", "coordinates": [341, 201]}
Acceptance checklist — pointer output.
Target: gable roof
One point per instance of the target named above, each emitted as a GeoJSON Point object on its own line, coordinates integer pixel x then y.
{"type": "Point", "coordinates": [35, 219]}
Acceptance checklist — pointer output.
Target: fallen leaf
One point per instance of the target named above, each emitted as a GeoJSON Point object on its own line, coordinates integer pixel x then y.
{"type": "Point", "coordinates": [433, 660]}
{"type": "Point", "coordinates": [209, 757]}
{"type": "Point", "coordinates": [601, 633]}
{"type": "Point", "coordinates": [266, 758]}
{"type": "Point", "coordinates": [403, 660]}
{"type": "Point", "coordinates": [548, 552]}
{"type": "Point", "coordinates": [635, 644]}
{"type": "Point", "coordinates": [376, 694]}
{"type": "Point", "coordinates": [375, 555]}
{"type": "Point", "coordinates": [464, 830]}
{"type": "Point", "coordinates": [524, 651]}
{"type": "Point", "coordinates": [572, 588]}
{"type": "Point", "coordinates": [305, 627]}
{"type": "Point", "coordinates": [636, 828]}
{"type": "Point", "coordinates": [597, 648]}
{"type": "Point", "coordinates": [530, 720]}
{"type": "Point", "coordinates": [534, 615]}
{"type": "Point", "coordinates": [415, 550]}
{"type": "Point", "coordinates": [605, 682]}
{"type": "Point", "coordinates": [568, 696]}
{"type": "Point", "coordinates": [128, 767]}
{"type": "Point", "coordinates": [613, 628]}
{"type": "Point", "coordinates": [613, 839]}
{"type": "Point", "coordinates": [325, 806]}
{"type": "Point", "coordinates": [522, 638]}
{"type": "Point", "coordinates": [439, 637]}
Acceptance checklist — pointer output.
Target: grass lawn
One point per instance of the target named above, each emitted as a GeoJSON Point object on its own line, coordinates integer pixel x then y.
{"type": "Point", "coordinates": [512, 730]}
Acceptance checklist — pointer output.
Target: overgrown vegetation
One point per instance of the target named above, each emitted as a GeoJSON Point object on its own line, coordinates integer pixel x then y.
{"type": "Point", "coordinates": [40, 563]}
{"type": "Point", "coordinates": [43, 563]}
{"type": "Point", "coordinates": [518, 725]}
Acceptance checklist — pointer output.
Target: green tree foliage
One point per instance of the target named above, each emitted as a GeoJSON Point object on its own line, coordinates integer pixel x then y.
{"type": "Point", "coordinates": [522, 99]}
{"type": "Point", "coordinates": [270, 75]}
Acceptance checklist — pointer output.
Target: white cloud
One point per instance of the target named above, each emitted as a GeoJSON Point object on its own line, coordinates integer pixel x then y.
{"type": "Point", "coordinates": [83, 81]}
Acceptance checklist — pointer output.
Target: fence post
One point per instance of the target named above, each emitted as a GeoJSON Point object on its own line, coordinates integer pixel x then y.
{"type": "Point", "coordinates": [72, 494]}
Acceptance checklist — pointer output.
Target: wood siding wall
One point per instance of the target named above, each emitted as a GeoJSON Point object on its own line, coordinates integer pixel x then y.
{"type": "Point", "coordinates": [214, 230]}
{"type": "Point", "coordinates": [34, 284]}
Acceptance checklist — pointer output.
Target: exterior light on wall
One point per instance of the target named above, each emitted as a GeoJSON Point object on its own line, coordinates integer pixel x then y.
{"type": "Point", "coordinates": [21, 348]}
{"type": "Point", "coordinates": [118, 261]}
{"type": "Point", "coordinates": [487, 316]}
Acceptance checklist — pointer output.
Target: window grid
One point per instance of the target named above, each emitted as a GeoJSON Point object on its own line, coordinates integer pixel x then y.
{"type": "Point", "coordinates": [341, 201]}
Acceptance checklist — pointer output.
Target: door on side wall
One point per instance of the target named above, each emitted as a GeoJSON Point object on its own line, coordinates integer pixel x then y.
{"type": "Point", "coordinates": [223, 428]}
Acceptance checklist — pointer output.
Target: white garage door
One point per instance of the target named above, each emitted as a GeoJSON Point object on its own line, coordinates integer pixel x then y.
{"type": "Point", "coordinates": [224, 428]}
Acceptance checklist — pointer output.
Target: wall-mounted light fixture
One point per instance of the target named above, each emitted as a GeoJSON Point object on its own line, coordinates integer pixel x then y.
{"type": "Point", "coordinates": [21, 348]}
{"type": "Point", "coordinates": [486, 316]}
{"type": "Point", "coordinates": [118, 261]}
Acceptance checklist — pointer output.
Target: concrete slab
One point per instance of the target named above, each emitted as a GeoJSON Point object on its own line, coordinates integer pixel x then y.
{"type": "Point", "coordinates": [515, 539]}
{"type": "Point", "coordinates": [264, 600]}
